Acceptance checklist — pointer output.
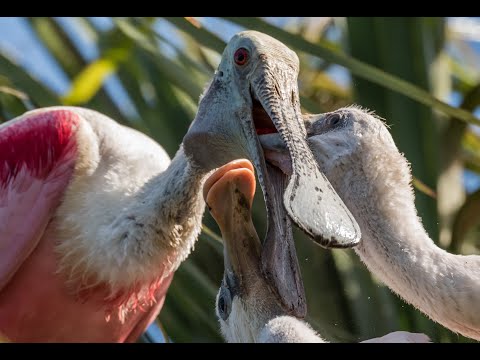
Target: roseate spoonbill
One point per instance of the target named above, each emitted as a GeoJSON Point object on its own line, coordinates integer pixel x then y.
{"type": "Point", "coordinates": [360, 159]}
{"type": "Point", "coordinates": [95, 218]}
{"type": "Point", "coordinates": [245, 306]}
{"type": "Point", "coordinates": [257, 81]}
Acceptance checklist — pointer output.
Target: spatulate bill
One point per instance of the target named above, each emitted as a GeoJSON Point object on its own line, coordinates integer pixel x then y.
{"type": "Point", "coordinates": [314, 205]}
{"type": "Point", "coordinates": [309, 198]}
{"type": "Point", "coordinates": [279, 259]}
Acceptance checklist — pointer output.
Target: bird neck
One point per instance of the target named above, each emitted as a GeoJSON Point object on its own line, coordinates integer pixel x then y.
{"type": "Point", "coordinates": [398, 250]}
{"type": "Point", "coordinates": [175, 192]}
{"type": "Point", "coordinates": [171, 207]}
{"type": "Point", "coordinates": [151, 233]}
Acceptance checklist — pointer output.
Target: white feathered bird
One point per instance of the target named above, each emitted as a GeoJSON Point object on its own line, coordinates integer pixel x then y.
{"type": "Point", "coordinates": [247, 309]}
{"type": "Point", "coordinates": [356, 152]}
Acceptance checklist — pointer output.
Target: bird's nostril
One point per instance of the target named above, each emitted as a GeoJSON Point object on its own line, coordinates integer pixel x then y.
{"type": "Point", "coordinates": [219, 73]}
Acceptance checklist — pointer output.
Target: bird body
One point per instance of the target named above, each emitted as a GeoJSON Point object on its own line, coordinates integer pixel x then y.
{"type": "Point", "coordinates": [374, 180]}
{"type": "Point", "coordinates": [92, 213]}
{"type": "Point", "coordinates": [288, 329]}
{"type": "Point", "coordinates": [356, 152]}
{"type": "Point", "coordinates": [110, 218]}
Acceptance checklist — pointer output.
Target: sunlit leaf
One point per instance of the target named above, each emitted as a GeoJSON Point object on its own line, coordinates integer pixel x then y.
{"type": "Point", "coordinates": [471, 150]}
{"type": "Point", "coordinates": [66, 53]}
{"type": "Point", "coordinates": [172, 70]}
{"type": "Point", "coordinates": [323, 81]}
{"type": "Point", "coordinates": [193, 21]}
{"type": "Point", "coordinates": [200, 34]}
{"type": "Point", "coordinates": [420, 186]}
{"type": "Point", "coordinates": [467, 218]}
{"type": "Point", "coordinates": [213, 239]}
{"type": "Point", "coordinates": [89, 81]}
{"type": "Point", "coordinates": [11, 91]}
{"type": "Point", "coordinates": [25, 82]}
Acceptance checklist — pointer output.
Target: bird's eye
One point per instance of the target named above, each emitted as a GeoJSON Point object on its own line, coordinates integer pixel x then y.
{"type": "Point", "coordinates": [334, 119]}
{"type": "Point", "coordinates": [224, 303]}
{"type": "Point", "coordinates": [241, 56]}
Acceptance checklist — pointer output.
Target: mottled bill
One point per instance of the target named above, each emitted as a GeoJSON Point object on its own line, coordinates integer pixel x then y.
{"type": "Point", "coordinates": [309, 198]}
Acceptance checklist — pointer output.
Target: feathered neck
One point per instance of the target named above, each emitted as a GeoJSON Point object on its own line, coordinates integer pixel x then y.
{"type": "Point", "coordinates": [397, 249]}
{"type": "Point", "coordinates": [147, 240]}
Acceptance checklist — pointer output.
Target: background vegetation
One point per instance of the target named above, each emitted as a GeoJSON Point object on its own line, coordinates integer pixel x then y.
{"type": "Point", "coordinates": [403, 68]}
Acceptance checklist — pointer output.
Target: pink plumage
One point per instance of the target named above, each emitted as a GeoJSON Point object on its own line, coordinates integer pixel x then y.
{"type": "Point", "coordinates": [38, 156]}
{"type": "Point", "coordinates": [39, 143]}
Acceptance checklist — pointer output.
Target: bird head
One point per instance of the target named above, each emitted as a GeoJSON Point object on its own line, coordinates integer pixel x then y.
{"type": "Point", "coordinates": [354, 149]}
{"type": "Point", "coordinates": [245, 301]}
{"type": "Point", "coordinates": [253, 92]}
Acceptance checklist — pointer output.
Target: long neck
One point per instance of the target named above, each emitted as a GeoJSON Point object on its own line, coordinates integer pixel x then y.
{"type": "Point", "coordinates": [151, 233]}
{"type": "Point", "coordinates": [170, 209]}
{"type": "Point", "coordinates": [397, 249]}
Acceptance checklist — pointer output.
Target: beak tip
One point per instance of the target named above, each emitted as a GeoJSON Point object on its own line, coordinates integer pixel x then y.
{"type": "Point", "coordinates": [334, 243]}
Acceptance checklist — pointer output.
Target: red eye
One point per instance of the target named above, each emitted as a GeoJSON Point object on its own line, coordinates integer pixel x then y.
{"type": "Point", "coordinates": [241, 56]}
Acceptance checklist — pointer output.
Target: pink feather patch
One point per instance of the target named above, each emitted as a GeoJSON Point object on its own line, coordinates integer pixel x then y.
{"type": "Point", "coordinates": [38, 148]}
{"type": "Point", "coordinates": [120, 301]}
{"type": "Point", "coordinates": [37, 159]}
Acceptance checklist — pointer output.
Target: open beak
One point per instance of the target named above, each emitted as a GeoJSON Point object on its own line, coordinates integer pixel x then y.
{"type": "Point", "coordinates": [279, 263]}
{"type": "Point", "coordinates": [294, 188]}
{"type": "Point", "coordinates": [308, 197]}
{"type": "Point", "coordinates": [229, 195]}
{"type": "Point", "coordinates": [238, 107]}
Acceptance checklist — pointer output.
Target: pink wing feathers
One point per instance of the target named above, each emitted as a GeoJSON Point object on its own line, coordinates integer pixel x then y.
{"type": "Point", "coordinates": [37, 159]}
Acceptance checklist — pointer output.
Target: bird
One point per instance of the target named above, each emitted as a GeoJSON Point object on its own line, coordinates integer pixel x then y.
{"type": "Point", "coordinates": [95, 217]}
{"type": "Point", "coordinates": [357, 153]}
{"type": "Point", "coordinates": [247, 310]}
{"type": "Point", "coordinates": [260, 96]}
